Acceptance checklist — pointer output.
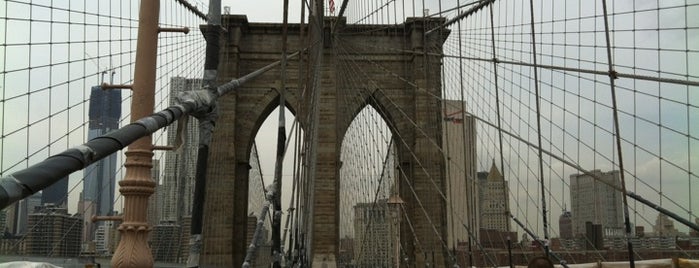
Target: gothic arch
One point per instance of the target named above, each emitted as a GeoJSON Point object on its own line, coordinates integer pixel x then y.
{"type": "Point", "coordinates": [405, 104]}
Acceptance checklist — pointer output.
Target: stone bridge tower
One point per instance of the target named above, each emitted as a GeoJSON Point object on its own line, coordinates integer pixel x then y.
{"type": "Point", "coordinates": [395, 69]}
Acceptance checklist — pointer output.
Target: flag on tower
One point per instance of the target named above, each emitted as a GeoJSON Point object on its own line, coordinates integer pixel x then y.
{"type": "Point", "coordinates": [332, 6]}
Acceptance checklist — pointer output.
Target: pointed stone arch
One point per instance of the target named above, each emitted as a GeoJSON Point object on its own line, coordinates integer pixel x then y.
{"type": "Point", "coordinates": [407, 105]}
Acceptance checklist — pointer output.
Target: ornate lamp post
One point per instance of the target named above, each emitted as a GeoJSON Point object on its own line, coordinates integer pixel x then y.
{"type": "Point", "coordinates": [137, 185]}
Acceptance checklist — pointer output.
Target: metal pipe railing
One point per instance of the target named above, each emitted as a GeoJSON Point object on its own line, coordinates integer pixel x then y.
{"type": "Point", "coordinates": [26, 182]}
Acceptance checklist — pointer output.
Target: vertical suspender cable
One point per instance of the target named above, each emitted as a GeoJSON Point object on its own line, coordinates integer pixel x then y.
{"type": "Point", "coordinates": [497, 102]}
{"type": "Point", "coordinates": [538, 131]}
{"type": "Point", "coordinates": [290, 215]}
{"type": "Point", "coordinates": [207, 121]}
{"type": "Point", "coordinates": [470, 205]}
{"type": "Point", "coordinates": [281, 142]}
{"type": "Point", "coordinates": [612, 77]}
{"type": "Point", "coordinates": [294, 243]}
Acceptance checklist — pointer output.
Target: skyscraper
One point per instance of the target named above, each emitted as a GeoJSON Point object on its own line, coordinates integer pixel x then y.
{"type": "Point", "coordinates": [664, 226]}
{"type": "Point", "coordinates": [176, 192]}
{"type": "Point", "coordinates": [565, 225]}
{"type": "Point", "coordinates": [458, 138]}
{"type": "Point", "coordinates": [494, 202]}
{"type": "Point", "coordinates": [596, 202]}
{"type": "Point", "coordinates": [56, 194]}
{"type": "Point", "coordinates": [180, 165]}
{"type": "Point", "coordinates": [99, 178]}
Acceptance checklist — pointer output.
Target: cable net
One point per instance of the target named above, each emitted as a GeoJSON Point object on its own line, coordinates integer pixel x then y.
{"type": "Point", "coordinates": [55, 57]}
{"type": "Point", "coordinates": [529, 86]}
{"type": "Point", "coordinates": [544, 114]}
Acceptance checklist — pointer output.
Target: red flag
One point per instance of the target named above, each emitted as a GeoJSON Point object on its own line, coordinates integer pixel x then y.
{"type": "Point", "coordinates": [332, 6]}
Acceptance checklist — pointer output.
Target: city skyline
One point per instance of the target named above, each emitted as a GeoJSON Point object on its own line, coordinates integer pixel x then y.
{"type": "Point", "coordinates": [651, 169]}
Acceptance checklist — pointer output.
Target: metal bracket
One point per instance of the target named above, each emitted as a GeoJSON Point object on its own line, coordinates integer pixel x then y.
{"type": "Point", "coordinates": [106, 218]}
{"type": "Point", "coordinates": [106, 86]}
{"type": "Point", "coordinates": [163, 148]}
{"type": "Point", "coordinates": [184, 30]}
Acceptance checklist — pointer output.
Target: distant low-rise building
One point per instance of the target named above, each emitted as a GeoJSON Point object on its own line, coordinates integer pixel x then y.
{"type": "Point", "coordinates": [165, 245]}
{"type": "Point", "coordinates": [664, 226]}
{"type": "Point", "coordinates": [346, 252]}
{"type": "Point", "coordinates": [640, 231]}
{"type": "Point", "coordinates": [373, 229]}
{"type": "Point", "coordinates": [53, 233]}
{"type": "Point", "coordinates": [12, 245]}
{"type": "Point", "coordinates": [184, 238]}
{"type": "Point", "coordinates": [114, 235]}
{"type": "Point", "coordinates": [496, 239]}
{"type": "Point", "coordinates": [3, 222]}
{"type": "Point", "coordinates": [106, 238]}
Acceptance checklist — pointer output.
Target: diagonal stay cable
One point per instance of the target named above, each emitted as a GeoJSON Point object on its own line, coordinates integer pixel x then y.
{"type": "Point", "coordinates": [609, 131]}
{"type": "Point", "coordinates": [413, 154]}
{"type": "Point", "coordinates": [25, 182]}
